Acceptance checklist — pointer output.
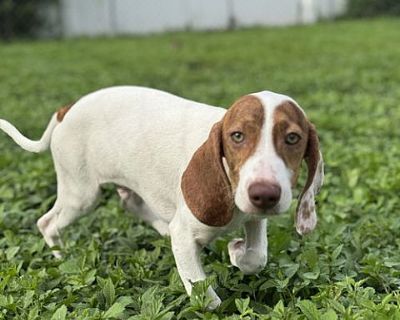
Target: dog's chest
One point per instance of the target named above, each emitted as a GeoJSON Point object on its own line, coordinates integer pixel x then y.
{"type": "Point", "coordinates": [205, 234]}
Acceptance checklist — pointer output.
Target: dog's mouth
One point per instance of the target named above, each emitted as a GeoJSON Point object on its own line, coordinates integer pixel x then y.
{"type": "Point", "coordinates": [267, 213]}
{"type": "Point", "coordinates": [262, 213]}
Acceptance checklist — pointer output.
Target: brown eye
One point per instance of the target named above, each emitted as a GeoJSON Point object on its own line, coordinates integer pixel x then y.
{"type": "Point", "coordinates": [237, 137]}
{"type": "Point", "coordinates": [292, 138]}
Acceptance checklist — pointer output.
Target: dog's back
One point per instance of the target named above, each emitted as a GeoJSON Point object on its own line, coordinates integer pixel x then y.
{"type": "Point", "coordinates": [129, 135]}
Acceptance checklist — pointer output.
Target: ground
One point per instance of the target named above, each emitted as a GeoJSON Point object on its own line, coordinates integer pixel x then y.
{"type": "Point", "coordinates": [346, 75]}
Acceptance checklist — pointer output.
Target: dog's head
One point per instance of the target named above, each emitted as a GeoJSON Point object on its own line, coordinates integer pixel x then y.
{"type": "Point", "coordinates": [252, 159]}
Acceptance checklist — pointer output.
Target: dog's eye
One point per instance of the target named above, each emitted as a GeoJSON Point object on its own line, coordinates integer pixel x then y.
{"type": "Point", "coordinates": [292, 138]}
{"type": "Point", "coordinates": [237, 137]}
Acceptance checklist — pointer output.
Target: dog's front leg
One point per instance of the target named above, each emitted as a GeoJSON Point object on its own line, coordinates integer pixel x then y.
{"type": "Point", "coordinates": [186, 251]}
{"type": "Point", "coordinates": [250, 255]}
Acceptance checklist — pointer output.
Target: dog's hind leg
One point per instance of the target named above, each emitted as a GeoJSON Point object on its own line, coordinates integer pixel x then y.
{"type": "Point", "coordinates": [133, 203]}
{"type": "Point", "coordinates": [74, 198]}
{"type": "Point", "coordinates": [46, 227]}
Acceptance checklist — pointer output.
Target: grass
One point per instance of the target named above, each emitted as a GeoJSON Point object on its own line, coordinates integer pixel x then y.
{"type": "Point", "coordinates": [347, 77]}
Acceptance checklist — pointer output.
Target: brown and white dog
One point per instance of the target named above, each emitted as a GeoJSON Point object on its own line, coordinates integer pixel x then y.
{"type": "Point", "coordinates": [191, 170]}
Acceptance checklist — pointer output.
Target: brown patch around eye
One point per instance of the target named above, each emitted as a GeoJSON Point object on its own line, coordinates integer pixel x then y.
{"type": "Point", "coordinates": [63, 111]}
{"type": "Point", "coordinates": [246, 116]}
{"type": "Point", "coordinates": [289, 118]}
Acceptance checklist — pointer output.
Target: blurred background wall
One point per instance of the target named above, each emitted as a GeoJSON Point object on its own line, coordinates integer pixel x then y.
{"type": "Point", "coordinates": [111, 17]}
{"type": "Point", "coordinates": [69, 18]}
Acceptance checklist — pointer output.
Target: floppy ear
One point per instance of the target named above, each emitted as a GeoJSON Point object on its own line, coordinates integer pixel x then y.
{"type": "Point", "coordinates": [306, 217]}
{"type": "Point", "coordinates": [205, 184]}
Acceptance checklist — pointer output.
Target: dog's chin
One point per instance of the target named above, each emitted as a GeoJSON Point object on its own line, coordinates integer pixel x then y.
{"type": "Point", "coordinates": [261, 214]}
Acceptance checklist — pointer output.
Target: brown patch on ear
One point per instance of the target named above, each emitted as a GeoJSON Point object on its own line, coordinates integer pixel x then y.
{"type": "Point", "coordinates": [288, 118]}
{"type": "Point", "coordinates": [306, 218]}
{"type": "Point", "coordinates": [205, 185]}
{"type": "Point", "coordinates": [63, 111]}
{"type": "Point", "coordinates": [311, 157]}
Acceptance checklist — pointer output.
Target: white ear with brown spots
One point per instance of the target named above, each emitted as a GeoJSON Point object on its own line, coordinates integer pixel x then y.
{"type": "Point", "coordinates": [205, 185]}
{"type": "Point", "coordinates": [306, 216]}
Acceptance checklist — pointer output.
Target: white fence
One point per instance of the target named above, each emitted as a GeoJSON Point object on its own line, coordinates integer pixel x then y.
{"type": "Point", "coordinates": [112, 17]}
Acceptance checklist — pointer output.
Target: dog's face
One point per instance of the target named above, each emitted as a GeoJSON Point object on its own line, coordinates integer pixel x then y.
{"type": "Point", "coordinates": [256, 152]}
{"type": "Point", "coordinates": [263, 145]}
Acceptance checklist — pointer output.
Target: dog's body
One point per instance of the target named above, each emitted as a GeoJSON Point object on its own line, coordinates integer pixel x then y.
{"type": "Point", "coordinates": [183, 166]}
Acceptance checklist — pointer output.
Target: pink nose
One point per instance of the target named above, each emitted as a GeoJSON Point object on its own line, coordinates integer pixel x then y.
{"type": "Point", "coordinates": [264, 195]}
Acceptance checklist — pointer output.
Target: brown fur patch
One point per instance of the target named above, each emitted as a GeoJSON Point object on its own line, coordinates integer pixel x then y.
{"type": "Point", "coordinates": [289, 118]}
{"type": "Point", "coordinates": [312, 158]}
{"type": "Point", "coordinates": [63, 111]}
{"type": "Point", "coordinates": [312, 155]}
{"type": "Point", "coordinates": [205, 185]}
{"type": "Point", "coordinates": [247, 116]}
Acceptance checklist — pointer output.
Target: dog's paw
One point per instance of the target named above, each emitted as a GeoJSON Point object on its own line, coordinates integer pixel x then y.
{"type": "Point", "coordinates": [124, 193]}
{"type": "Point", "coordinates": [236, 249]}
{"type": "Point", "coordinates": [57, 254]}
{"type": "Point", "coordinates": [215, 300]}
{"type": "Point", "coordinates": [248, 260]}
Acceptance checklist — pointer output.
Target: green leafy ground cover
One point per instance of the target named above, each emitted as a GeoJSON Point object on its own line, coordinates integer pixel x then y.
{"type": "Point", "coordinates": [347, 77]}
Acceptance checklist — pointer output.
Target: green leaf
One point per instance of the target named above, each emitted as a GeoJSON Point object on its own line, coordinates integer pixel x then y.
{"type": "Point", "coordinates": [114, 311]}
{"type": "Point", "coordinates": [90, 277]}
{"type": "Point", "coordinates": [353, 176]}
{"type": "Point", "coordinates": [60, 313]}
{"type": "Point", "coordinates": [279, 310]}
{"type": "Point", "coordinates": [69, 267]}
{"type": "Point", "coordinates": [33, 313]}
{"type": "Point", "coordinates": [311, 275]}
{"type": "Point", "coordinates": [124, 300]}
{"type": "Point", "coordinates": [309, 309]}
{"type": "Point", "coordinates": [242, 305]}
{"type": "Point", "coordinates": [109, 292]}
{"type": "Point", "coordinates": [337, 306]}
{"type": "Point", "coordinates": [337, 251]}
{"type": "Point", "coordinates": [290, 270]}
{"type": "Point", "coordinates": [329, 315]}
{"type": "Point", "coordinates": [28, 298]}
{"type": "Point", "coordinates": [167, 316]}
{"type": "Point", "coordinates": [199, 297]}
{"type": "Point", "coordinates": [387, 299]}
{"type": "Point", "coordinates": [11, 252]}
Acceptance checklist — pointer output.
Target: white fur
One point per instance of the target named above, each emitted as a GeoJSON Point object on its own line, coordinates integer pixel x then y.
{"type": "Point", "coordinates": [143, 139]}
{"type": "Point", "coordinates": [265, 164]}
{"type": "Point", "coordinates": [250, 255]}
{"type": "Point", "coordinates": [25, 143]}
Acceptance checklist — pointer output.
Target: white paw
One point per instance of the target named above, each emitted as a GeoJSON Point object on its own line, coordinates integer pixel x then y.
{"type": "Point", "coordinates": [248, 260]}
{"type": "Point", "coordinates": [124, 193]}
{"type": "Point", "coordinates": [236, 249]}
{"type": "Point", "coordinates": [215, 300]}
{"type": "Point", "coordinates": [57, 254]}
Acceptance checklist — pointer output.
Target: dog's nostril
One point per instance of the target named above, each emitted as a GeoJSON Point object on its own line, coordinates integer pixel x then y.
{"type": "Point", "coordinates": [264, 195]}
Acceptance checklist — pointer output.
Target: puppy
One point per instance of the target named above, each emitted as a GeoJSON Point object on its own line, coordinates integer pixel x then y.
{"type": "Point", "coordinates": [191, 170]}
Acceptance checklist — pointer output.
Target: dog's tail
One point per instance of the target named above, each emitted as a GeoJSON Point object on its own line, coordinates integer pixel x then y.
{"type": "Point", "coordinates": [27, 144]}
